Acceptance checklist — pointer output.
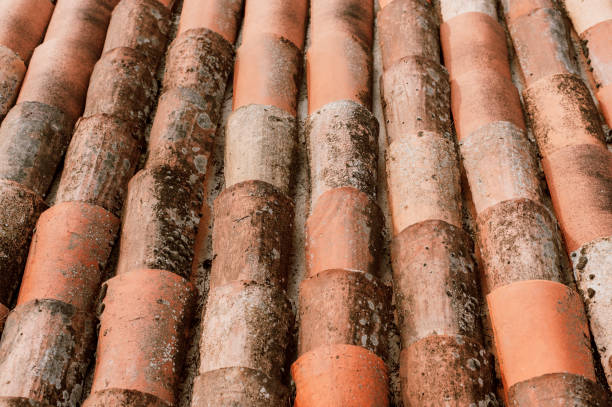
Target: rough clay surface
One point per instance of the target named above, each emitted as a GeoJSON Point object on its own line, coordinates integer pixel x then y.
{"type": "Point", "coordinates": [301, 195]}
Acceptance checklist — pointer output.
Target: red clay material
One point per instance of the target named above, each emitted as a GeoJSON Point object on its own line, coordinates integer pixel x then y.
{"type": "Point", "coordinates": [340, 376]}
{"type": "Point", "coordinates": [122, 86]}
{"type": "Point", "coordinates": [474, 41]}
{"type": "Point", "coordinates": [541, 40]}
{"type": "Point", "coordinates": [276, 63]}
{"type": "Point", "coordinates": [338, 68]}
{"type": "Point", "coordinates": [45, 350]}
{"type": "Point", "coordinates": [500, 164]}
{"type": "Point", "coordinates": [540, 328]}
{"type": "Point", "coordinates": [20, 210]}
{"type": "Point", "coordinates": [23, 24]}
{"type": "Point", "coordinates": [344, 231]}
{"type": "Point", "coordinates": [141, 25]}
{"type": "Point", "coordinates": [161, 215]}
{"type": "Point", "coordinates": [446, 369]}
{"type": "Point", "coordinates": [82, 23]}
{"type": "Point", "coordinates": [99, 162]}
{"type": "Point", "coordinates": [123, 398]}
{"type": "Point", "coordinates": [558, 390]}
{"type": "Point", "coordinates": [423, 180]}
{"type": "Point", "coordinates": [68, 253]}
{"type": "Point", "coordinates": [417, 88]}
{"type": "Point", "coordinates": [59, 76]}
{"type": "Point", "coordinates": [280, 18]}
{"type": "Point", "coordinates": [219, 16]}
{"type": "Point", "coordinates": [182, 133]}
{"type": "Point", "coordinates": [580, 182]}
{"type": "Point", "coordinates": [339, 59]}
{"type": "Point", "coordinates": [340, 133]}
{"type": "Point", "coordinates": [12, 71]}
{"type": "Point", "coordinates": [260, 144]}
{"type": "Point", "coordinates": [353, 17]}
{"type": "Point", "coordinates": [398, 37]}
{"type": "Point", "coordinates": [256, 317]}
{"type": "Point", "coordinates": [519, 241]}
{"type": "Point", "coordinates": [33, 139]}
{"type": "Point", "coordinates": [483, 97]}
{"type": "Point", "coordinates": [434, 275]}
{"type": "Point", "coordinates": [201, 61]}
{"type": "Point", "coordinates": [142, 331]}
{"type": "Point", "coordinates": [252, 222]}
{"type": "Point", "coordinates": [562, 113]}
{"type": "Point", "coordinates": [237, 386]}
{"type": "Point", "coordinates": [359, 317]}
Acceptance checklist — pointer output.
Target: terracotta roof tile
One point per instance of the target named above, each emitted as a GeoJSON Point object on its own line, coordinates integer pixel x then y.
{"type": "Point", "coordinates": [566, 125]}
{"type": "Point", "coordinates": [437, 296]}
{"type": "Point", "coordinates": [321, 212]}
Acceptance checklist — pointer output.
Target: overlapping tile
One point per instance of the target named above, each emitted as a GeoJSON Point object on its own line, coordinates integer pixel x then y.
{"type": "Point", "coordinates": [253, 217]}
{"type": "Point", "coordinates": [576, 162]}
{"type": "Point", "coordinates": [435, 278]}
{"type": "Point", "coordinates": [526, 271]}
{"type": "Point", "coordinates": [48, 342]}
{"type": "Point", "coordinates": [341, 353]}
{"type": "Point", "coordinates": [36, 132]}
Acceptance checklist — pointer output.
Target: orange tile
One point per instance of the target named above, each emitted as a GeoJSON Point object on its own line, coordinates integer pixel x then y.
{"type": "Point", "coordinates": [597, 40]}
{"type": "Point", "coordinates": [541, 42]}
{"type": "Point", "coordinates": [267, 72]}
{"type": "Point", "coordinates": [344, 232]}
{"type": "Point", "coordinates": [220, 16]}
{"type": "Point", "coordinates": [340, 376]}
{"type": "Point", "coordinates": [280, 18]}
{"type": "Point", "coordinates": [23, 24]}
{"type": "Point", "coordinates": [143, 327]}
{"type": "Point", "coordinates": [480, 98]}
{"type": "Point", "coordinates": [474, 42]}
{"type": "Point", "coordinates": [580, 182]}
{"type": "Point", "coordinates": [540, 328]}
{"type": "Point", "coordinates": [338, 68]}
{"type": "Point", "coordinates": [562, 114]}
{"type": "Point", "coordinates": [68, 254]}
